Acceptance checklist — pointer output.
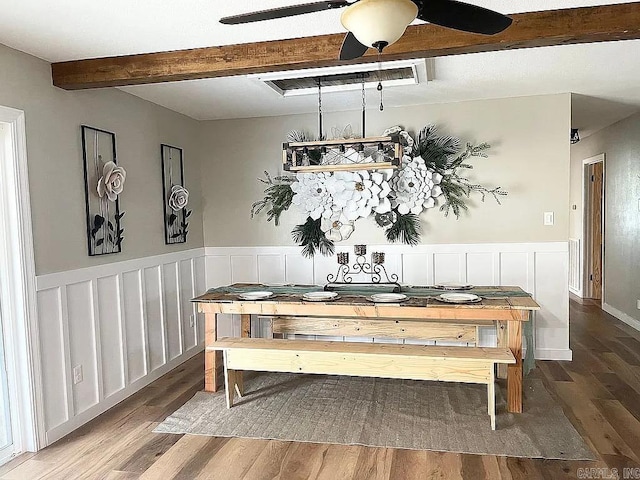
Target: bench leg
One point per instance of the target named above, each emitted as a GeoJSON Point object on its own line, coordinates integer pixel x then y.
{"type": "Point", "coordinates": [491, 398]}
{"type": "Point", "coordinates": [229, 382]}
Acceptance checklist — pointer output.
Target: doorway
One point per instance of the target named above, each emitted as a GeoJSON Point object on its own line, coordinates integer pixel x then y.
{"type": "Point", "coordinates": [19, 416]}
{"type": "Point", "coordinates": [593, 209]}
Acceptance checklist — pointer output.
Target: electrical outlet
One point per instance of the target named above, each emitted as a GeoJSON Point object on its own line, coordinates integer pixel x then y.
{"type": "Point", "coordinates": [192, 320]}
{"type": "Point", "coordinates": [638, 304]}
{"type": "Point", "coordinates": [77, 374]}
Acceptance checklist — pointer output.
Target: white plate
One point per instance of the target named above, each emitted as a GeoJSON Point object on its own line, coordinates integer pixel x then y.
{"type": "Point", "coordinates": [258, 295]}
{"type": "Point", "coordinates": [459, 298]}
{"type": "Point", "coordinates": [387, 297]}
{"type": "Point", "coordinates": [454, 286]}
{"type": "Point", "coordinates": [320, 296]}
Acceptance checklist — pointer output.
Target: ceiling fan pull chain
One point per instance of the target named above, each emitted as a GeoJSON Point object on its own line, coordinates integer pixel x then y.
{"type": "Point", "coordinates": [320, 133]}
{"type": "Point", "coordinates": [364, 109]}
{"type": "Point", "coordinates": [380, 81]}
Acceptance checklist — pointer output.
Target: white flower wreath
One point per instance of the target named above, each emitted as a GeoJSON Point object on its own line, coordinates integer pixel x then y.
{"type": "Point", "coordinates": [333, 202]}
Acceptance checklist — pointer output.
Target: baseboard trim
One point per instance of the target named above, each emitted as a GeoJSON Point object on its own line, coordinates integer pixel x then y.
{"type": "Point", "coordinates": [623, 317]}
{"type": "Point", "coordinates": [72, 424]}
{"type": "Point", "coordinates": [554, 354]}
{"type": "Point", "coordinates": [575, 294]}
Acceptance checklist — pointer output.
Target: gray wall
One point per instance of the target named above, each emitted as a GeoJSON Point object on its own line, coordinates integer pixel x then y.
{"type": "Point", "coordinates": [529, 158]}
{"type": "Point", "coordinates": [53, 119]}
{"type": "Point", "coordinates": [621, 145]}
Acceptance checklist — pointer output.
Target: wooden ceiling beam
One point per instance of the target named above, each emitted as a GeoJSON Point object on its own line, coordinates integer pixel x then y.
{"type": "Point", "coordinates": [535, 29]}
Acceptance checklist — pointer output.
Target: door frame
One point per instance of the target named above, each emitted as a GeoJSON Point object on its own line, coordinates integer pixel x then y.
{"type": "Point", "coordinates": [585, 233]}
{"type": "Point", "coordinates": [18, 289]}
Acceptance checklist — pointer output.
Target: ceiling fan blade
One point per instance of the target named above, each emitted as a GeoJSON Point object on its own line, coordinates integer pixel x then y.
{"type": "Point", "coordinates": [463, 16]}
{"type": "Point", "coordinates": [352, 48]}
{"type": "Point", "coordinates": [283, 12]}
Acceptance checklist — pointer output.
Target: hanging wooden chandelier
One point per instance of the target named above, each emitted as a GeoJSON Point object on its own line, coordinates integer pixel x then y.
{"type": "Point", "coordinates": [373, 153]}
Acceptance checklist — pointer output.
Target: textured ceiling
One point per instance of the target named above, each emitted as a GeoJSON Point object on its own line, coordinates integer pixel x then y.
{"type": "Point", "coordinates": [73, 29]}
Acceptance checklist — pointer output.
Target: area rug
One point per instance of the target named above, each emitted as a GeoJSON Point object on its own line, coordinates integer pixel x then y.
{"type": "Point", "coordinates": [378, 412]}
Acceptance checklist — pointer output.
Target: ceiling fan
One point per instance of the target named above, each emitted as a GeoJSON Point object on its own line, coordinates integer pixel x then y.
{"type": "Point", "coordinates": [379, 23]}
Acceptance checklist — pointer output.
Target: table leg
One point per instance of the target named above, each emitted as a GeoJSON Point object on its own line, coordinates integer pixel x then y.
{"type": "Point", "coordinates": [514, 371]}
{"type": "Point", "coordinates": [503, 342]}
{"type": "Point", "coordinates": [245, 326]}
{"type": "Point", "coordinates": [212, 359]}
{"type": "Point", "coordinates": [245, 332]}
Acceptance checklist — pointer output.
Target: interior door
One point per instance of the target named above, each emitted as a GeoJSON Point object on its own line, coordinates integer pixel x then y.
{"type": "Point", "coordinates": [594, 229]}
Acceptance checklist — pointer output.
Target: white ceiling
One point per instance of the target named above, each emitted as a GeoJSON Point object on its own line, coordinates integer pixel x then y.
{"type": "Point", "coordinates": [74, 29]}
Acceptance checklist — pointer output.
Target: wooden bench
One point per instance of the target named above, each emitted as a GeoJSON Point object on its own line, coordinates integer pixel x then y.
{"type": "Point", "coordinates": [410, 362]}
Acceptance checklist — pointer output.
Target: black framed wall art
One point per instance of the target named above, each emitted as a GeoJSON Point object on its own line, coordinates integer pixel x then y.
{"type": "Point", "coordinates": [175, 195]}
{"type": "Point", "coordinates": [104, 182]}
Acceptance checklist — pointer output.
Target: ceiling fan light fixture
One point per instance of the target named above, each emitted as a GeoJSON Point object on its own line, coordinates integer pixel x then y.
{"type": "Point", "coordinates": [375, 22]}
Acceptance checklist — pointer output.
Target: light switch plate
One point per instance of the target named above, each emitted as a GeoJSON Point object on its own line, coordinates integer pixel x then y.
{"type": "Point", "coordinates": [548, 218]}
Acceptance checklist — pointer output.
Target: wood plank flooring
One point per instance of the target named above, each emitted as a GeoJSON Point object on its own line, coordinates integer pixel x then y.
{"type": "Point", "coordinates": [599, 391]}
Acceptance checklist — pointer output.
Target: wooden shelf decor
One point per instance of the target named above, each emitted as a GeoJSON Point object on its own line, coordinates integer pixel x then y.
{"type": "Point", "coordinates": [374, 153]}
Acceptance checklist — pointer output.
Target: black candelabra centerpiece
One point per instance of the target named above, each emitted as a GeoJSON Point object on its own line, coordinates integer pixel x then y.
{"type": "Point", "coordinates": [375, 269]}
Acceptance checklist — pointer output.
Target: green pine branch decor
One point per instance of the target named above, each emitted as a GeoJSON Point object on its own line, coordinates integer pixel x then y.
{"type": "Point", "coordinates": [277, 196]}
{"type": "Point", "coordinates": [310, 236]}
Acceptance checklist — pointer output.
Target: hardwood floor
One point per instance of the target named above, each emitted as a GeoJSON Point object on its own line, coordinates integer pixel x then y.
{"type": "Point", "coordinates": [599, 391]}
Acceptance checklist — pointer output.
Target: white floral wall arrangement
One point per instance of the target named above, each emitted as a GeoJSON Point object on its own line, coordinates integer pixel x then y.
{"type": "Point", "coordinates": [175, 196]}
{"type": "Point", "coordinates": [431, 174]}
{"type": "Point", "coordinates": [104, 182]}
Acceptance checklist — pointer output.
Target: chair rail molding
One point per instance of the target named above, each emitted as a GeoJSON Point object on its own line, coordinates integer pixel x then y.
{"type": "Point", "coordinates": [118, 327]}
{"type": "Point", "coordinates": [541, 269]}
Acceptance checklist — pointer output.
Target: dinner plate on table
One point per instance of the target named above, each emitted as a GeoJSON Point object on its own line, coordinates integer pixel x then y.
{"type": "Point", "coordinates": [387, 297]}
{"type": "Point", "coordinates": [453, 286]}
{"type": "Point", "coordinates": [459, 298]}
{"type": "Point", "coordinates": [256, 295]}
{"type": "Point", "coordinates": [320, 296]}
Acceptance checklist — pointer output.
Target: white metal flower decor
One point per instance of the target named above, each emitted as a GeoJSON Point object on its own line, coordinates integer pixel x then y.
{"type": "Point", "coordinates": [430, 174]}
{"type": "Point", "coordinates": [111, 183]}
{"type": "Point", "coordinates": [178, 198]}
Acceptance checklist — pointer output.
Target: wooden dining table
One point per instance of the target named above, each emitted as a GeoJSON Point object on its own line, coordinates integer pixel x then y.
{"type": "Point", "coordinates": [504, 307]}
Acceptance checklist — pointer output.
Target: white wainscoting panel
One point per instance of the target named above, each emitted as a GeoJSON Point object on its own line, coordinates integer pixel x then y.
{"type": "Point", "coordinates": [85, 347]}
{"type": "Point", "coordinates": [575, 266]}
{"type": "Point", "coordinates": [539, 268]}
{"type": "Point", "coordinates": [55, 349]}
{"type": "Point", "coordinates": [135, 325]}
{"type": "Point", "coordinates": [124, 324]}
{"type": "Point", "coordinates": [112, 342]}
{"type": "Point", "coordinates": [154, 316]}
